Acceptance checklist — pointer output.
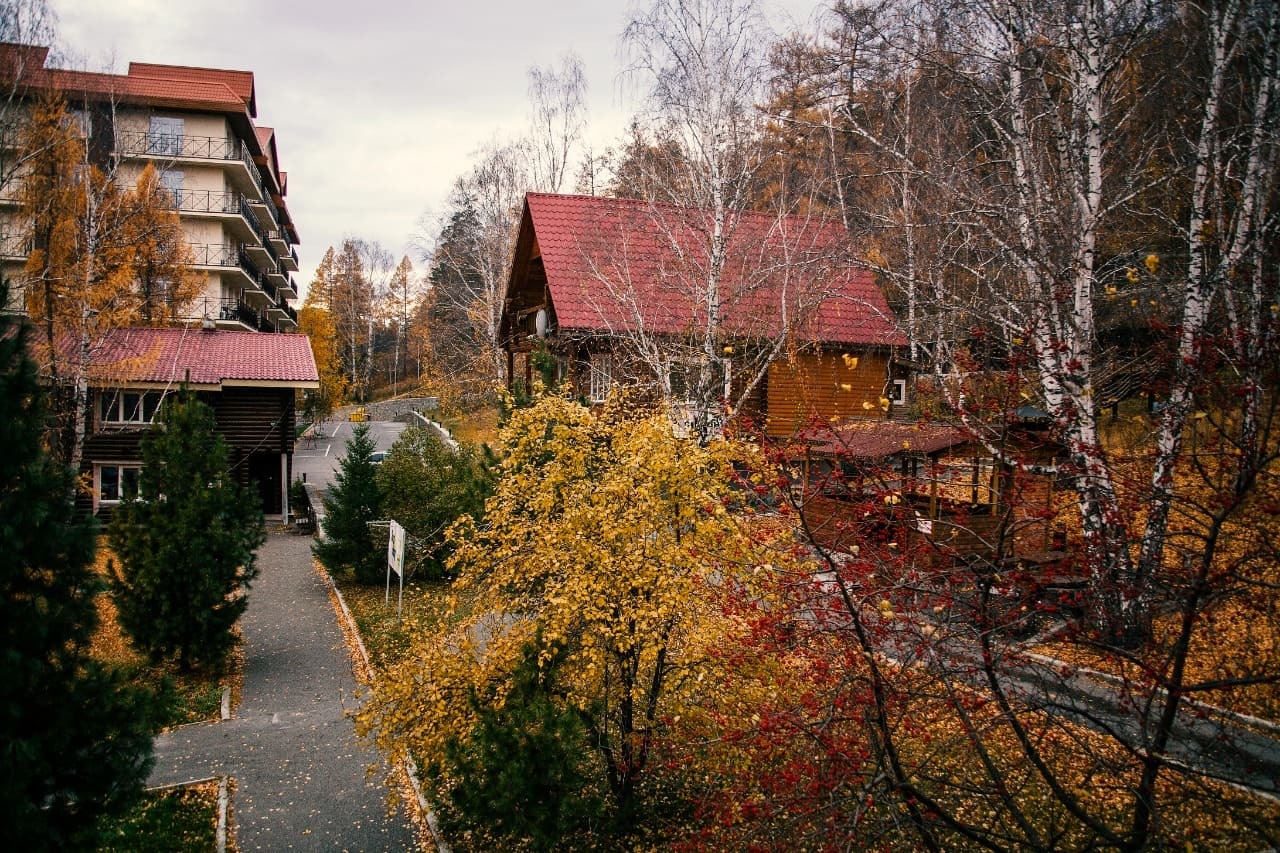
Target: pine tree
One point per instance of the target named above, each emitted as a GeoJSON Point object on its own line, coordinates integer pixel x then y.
{"type": "Point", "coordinates": [426, 486]}
{"type": "Point", "coordinates": [186, 544]}
{"type": "Point", "coordinates": [525, 772]}
{"type": "Point", "coordinates": [351, 504]}
{"type": "Point", "coordinates": [75, 739]}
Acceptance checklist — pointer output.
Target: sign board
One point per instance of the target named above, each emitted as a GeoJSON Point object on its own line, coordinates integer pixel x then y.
{"type": "Point", "coordinates": [395, 549]}
{"type": "Point", "coordinates": [925, 526]}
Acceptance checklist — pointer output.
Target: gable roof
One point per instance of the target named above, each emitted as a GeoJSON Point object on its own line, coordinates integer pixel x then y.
{"type": "Point", "coordinates": [204, 358]}
{"type": "Point", "coordinates": [618, 264]}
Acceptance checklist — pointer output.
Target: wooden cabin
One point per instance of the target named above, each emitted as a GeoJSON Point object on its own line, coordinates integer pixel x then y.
{"type": "Point", "coordinates": [601, 289]}
{"type": "Point", "coordinates": [948, 490]}
{"type": "Point", "coordinates": [249, 379]}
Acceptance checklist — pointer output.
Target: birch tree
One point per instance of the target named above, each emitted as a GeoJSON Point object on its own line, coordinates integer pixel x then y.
{"type": "Point", "coordinates": [702, 65]}
{"type": "Point", "coordinates": [557, 100]}
{"type": "Point", "coordinates": [1054, 211]}
{"type": "Point", "coordinates": [351, 306]}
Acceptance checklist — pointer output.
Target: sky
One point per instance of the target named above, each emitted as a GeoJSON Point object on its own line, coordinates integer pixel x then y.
{"type": "Point", "coordinates": [377, 106]}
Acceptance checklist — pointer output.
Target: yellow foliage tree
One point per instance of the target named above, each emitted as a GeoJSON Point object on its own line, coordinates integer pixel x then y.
{"type": "Point", "coordinates": [162, 263]}
{"type": "Point", "coordinates": [316, 321]}
{"type": "Point", "coordinates": [603, 546]}
{"type": "Point", "coordinates": [103, 255]}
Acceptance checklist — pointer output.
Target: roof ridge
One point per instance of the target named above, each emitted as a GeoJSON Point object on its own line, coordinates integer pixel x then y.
{"type": "Point", "coordinates": [820, 221]}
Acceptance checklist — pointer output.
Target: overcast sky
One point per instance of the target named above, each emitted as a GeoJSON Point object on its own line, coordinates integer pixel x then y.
{"type": "Point", "coordinates": [377, 105]}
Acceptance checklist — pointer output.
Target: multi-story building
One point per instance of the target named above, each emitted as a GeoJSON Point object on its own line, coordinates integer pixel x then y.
{"type": "Point", "coordinates": [197, 127]}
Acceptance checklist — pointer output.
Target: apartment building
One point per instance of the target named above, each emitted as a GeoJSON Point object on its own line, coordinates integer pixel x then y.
{"type": "Point", "coordinates": [198, 128]}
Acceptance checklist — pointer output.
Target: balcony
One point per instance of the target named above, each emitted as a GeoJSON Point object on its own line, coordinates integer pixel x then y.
{"type": "Point", "coordinates": [279, 245]}
{"type": "Point", "coordinates": [230, 207]}
{"type": "Point", "coordinates": [237, 311]}
{"type": "Point", "coordinates": [259, 280]}
{"type": "Point", "coordinates": [173, 147]}
{"type": "Point", "coordinates": [217, 255]}
{"type": "Point", "coordinates": [289, 260]}
{"type": "Point", "coordinates": [267, 212]}
{"type": "Point", "coordinates": [282, 315]}
{"type": "Point", "coordinates": [289, 290]}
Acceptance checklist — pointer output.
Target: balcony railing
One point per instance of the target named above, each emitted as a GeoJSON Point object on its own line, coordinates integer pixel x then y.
{"type": "Point", "coordinates": [213, 255]}
{"type": "Point", "coordinates": [273, 213]}
{"type": "Point", "coordinates": [239, 311]}
{"type": "Point", "coordinates": [14, 245]}
{"type": "Point", "coordinates": [206, 201]}
{"type": "Point", "coordinates": [259, 277]}
{"type": "Point", "coordinates": [142, 143]}
{"type": "Point", "coordinates": [216, 201]}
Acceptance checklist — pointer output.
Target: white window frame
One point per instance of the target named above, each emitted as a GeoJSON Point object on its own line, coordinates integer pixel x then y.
{"type": "Point", "coordinates": [898, 392]}
{"type": "Point", "coordinates": [600, 376]}
{"type": "Point", "coordinates": [119, 468]}
{"type": "Point", "coordinates": [115, 408]}
{"type": "Point", "coordinates": [164, 135]}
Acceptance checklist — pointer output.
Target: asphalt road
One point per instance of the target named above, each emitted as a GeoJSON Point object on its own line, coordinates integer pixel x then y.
{"type": "Point", "coordinates": [316, 456]}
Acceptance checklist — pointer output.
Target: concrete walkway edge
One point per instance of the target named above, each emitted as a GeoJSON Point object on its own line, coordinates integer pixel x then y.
{"type": "Point", "coordinates": [409, 767]}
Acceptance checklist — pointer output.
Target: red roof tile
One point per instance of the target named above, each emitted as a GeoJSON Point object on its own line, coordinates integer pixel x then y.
{"type": "Point", "coordinates": [239, 82]}
{"type": "Point", "coordinates": [614, 263]}
{"type": "Point", "coordinates": [204, 357]}
{"type": "Point", "coordinates": [879, 439]}
{"type": "Point", "coordinates": [175, 94]}
{"type": "Point", "coordinates": [169, 86]}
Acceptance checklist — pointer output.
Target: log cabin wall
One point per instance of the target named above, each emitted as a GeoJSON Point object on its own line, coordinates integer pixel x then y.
{"type": "Point", "coordinates": [255, 419]}
{"type": "Point", "coordinates": [810, 385]}
{"type": "Point", "coordinates": [258, 425]}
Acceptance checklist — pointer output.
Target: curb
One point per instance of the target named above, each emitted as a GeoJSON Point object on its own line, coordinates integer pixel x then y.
{"type": "Point", "coordinates": [408, 765]}
{"type": "Point", "coordinates": [224, 802]}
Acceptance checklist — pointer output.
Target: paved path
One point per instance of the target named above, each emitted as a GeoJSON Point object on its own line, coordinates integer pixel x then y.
{"type": "Point", "coordinates": [300, 771]}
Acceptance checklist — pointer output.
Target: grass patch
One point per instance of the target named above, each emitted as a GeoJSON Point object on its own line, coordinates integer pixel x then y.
{"type": "Point", "coordinates": [426, 608]}
{"type": "Point", "coordinates": [193, 696]}
{"type": "Point", "coordinates": [475, 427]}
{"type": "Point", "coordinates": [175, 819]}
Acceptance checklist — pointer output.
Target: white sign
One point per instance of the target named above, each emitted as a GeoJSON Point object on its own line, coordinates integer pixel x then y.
{"type": "Point", "coordinates": [925, 526]}
{"type": "Point", "coordinates": [395, 549]}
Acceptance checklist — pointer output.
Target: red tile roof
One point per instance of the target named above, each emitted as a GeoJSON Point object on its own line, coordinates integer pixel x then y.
{"type": "Point", "coordinates": [204, 357]}
{"type": "Point", "coordinates": [174, 94]}
{"type": "Point", "coordinates": [879, 439]}
{"type": "Point", "coordinates": [239, 82]}
{"type": "Point", "coordinates": [614, 263]}
{"type": "Point", "coordinates": [166, 86]}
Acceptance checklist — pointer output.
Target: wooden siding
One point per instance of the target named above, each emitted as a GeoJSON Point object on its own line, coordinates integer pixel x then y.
{"type": "Point", "coordinates": [258, 425]}
{"type": "Point", "coordinates": [812, 385]}
{"type": "Point", "coordinates": [255, 419]}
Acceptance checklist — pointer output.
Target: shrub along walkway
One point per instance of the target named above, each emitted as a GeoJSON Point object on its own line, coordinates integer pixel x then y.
{"type": "Point", "coordinates": [301, 773]}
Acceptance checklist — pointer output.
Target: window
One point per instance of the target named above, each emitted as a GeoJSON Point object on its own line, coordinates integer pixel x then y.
{"type": "Point", "coordinates": [128, 407]}
{"type": "Point", "coordinates": [117, 482]}
{"type": "Point", "coordinates": [165, 136]}
{"type": "Point", "coordinates": [171, 180]}
{"type": "Point", "coordinates": [898, 392]}
{"type": "Point", "coordinates": [601, 367]}
{"type": "Point", "coordinates": [81, 121]}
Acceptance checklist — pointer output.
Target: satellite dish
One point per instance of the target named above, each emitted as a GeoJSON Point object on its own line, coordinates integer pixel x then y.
{"type": "Point", "coordinates": [540, 322]}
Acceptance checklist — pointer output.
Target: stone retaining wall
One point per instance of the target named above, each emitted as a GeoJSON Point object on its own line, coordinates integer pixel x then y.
{"type": "Point", "coordinates": [401, 409]}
